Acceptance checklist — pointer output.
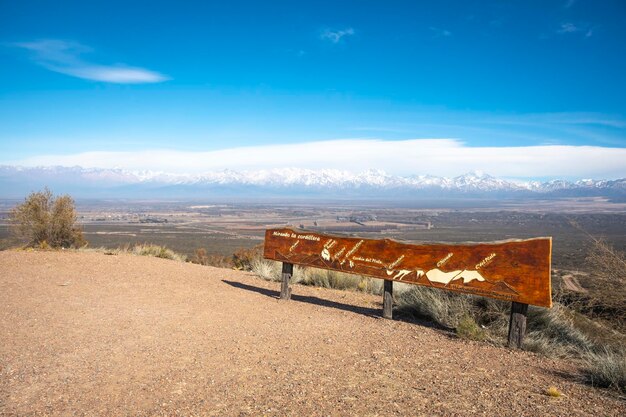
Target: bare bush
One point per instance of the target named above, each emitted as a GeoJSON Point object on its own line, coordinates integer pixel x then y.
{"type": "Point", "coordinates": [203, 258]}
{"type": "Point", "coordinates": [44, 220]}
{"type": "Point", "coordinates": [244, 257]}
{"type": "Point", "coordinates": [606, 295]}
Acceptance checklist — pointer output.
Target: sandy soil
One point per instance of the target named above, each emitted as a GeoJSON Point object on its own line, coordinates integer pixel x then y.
{"type": "Point", "coordinates": [91, 334]}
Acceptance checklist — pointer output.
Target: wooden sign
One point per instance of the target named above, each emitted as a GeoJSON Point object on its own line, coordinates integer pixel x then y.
{"type": "Point", "coordinates": [514, 270]}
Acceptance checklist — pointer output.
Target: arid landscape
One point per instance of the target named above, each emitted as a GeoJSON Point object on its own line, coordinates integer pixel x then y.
{"type": "Point", "coordinates": [103, 332]}
{"type": "Point", "coordinates": [97, 334]}
{"type": "Point", "coordinates": [312, 208]}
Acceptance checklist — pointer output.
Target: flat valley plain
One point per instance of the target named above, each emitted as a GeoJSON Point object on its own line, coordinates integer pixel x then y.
{"type": "Point", "coordinates": [222, 227]}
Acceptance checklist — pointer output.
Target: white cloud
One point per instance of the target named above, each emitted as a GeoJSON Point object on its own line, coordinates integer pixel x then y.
{"type": "Point", "coordinates": [64, 57]}
{"type": "Point", "coordinates": [438, 32]}
{"type": "Point", "coordinates": [568, 28]}
{"type": "Point", "coordinates": [334, 35]}
{"type": "Point", "coordinates": [442, 157]}
{"type": "Point", "coordinates": [571, 28]}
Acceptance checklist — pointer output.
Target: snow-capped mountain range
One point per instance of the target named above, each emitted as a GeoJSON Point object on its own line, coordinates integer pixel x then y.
{"type": "Point", "coordinates": [15, 181]}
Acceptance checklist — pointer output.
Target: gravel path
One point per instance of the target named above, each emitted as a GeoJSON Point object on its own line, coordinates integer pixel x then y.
{"type": "Point", "coordinates": [91, 334]}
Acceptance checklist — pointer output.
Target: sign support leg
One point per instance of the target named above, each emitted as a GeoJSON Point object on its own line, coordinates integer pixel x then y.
{"type": "Point", "coordinates": [388, 300]}
{"type": "Point", "coordinates": [517, 324]}
{"type": "Point", "coordinates": [285, 290]}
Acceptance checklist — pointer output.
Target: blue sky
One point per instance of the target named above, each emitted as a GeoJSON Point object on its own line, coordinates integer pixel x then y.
{"type": "Point", "coordinates": [80, 79]}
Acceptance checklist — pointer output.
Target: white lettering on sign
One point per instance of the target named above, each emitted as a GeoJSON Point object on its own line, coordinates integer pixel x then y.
{"type": "Point", "coordinates": [354, 249]}
{"type": "Point", "coordinates": [485, 261]}
{"type": "Point", "coordinates": [309, 237]}
{"type": "Point", "coordinates": [369, 260]}
{"type": "Point", "coordinates": [396, 262]}
{"type": "Point", "coordinates": [444, 260]}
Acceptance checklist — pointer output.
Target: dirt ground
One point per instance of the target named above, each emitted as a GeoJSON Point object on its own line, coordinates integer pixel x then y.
{"type": "Point", "coordinates": [93, 334]}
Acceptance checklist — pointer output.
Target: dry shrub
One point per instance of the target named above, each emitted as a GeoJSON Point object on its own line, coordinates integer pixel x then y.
{"type": "Point", "coordinates": [44, 220]}
{"type": "Point", "coordinates": [606, 369]}
{"type": "Point", "coordinates": [606, 295]}
{"type": "Point", "coordinates": [201, 257]}
{"type": "Point", "coordinates": [243, 258]}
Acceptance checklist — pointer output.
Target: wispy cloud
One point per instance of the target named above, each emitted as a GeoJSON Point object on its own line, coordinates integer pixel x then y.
{"type": "Point", "coordinates": [569, 27]}
{"type": "Point", "coordinates": [65, 57]}
{"type": "Point", "coordinates": [444, 157]}
{"type": "Point", "coordinates": [335, 35]}
{"type": "Point", "coordinates": [438, 32]}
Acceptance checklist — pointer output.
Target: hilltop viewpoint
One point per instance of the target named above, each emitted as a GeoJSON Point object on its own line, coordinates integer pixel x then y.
{"type": "Point", "coordinates": [88, 333]}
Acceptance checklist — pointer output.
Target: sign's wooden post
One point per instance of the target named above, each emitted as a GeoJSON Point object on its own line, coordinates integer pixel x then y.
{"type": "Point", "coordinates": [285, 290]}
{"type": "Point", "coordinates": [517, 324]}
{"type": "Point", "coordinates": [388, 300]}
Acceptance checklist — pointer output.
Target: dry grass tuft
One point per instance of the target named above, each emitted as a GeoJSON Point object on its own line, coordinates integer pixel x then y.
{"type": "Point", "coordinates": [442, 307]}
{"type": "Point", "coordinates": [554, 392]}
{"type": "Point", "coordinates": [148, 249]}
{"type": "Point", "coordinates": [271, 271]}
{"type": "Point", "coordinates": [145, 249]}
{"type": "Point", "coordinates": [606, 369]}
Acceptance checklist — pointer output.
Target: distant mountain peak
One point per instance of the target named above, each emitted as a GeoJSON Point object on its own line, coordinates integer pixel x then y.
{"type": "Point", "coordinates": [372, 182]}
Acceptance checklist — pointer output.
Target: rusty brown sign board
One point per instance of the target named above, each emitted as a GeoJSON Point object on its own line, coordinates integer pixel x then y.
{"type": "Point", "coordinates": [513, 270]}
